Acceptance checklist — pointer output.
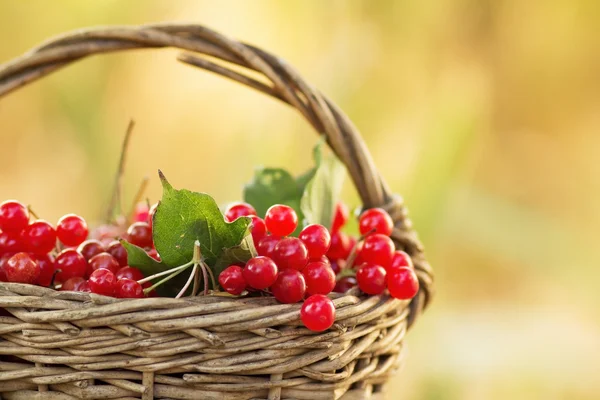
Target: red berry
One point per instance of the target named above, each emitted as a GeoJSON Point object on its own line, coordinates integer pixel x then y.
{"type": "Point", "coordinates": [281, 220]}
{"type": "Point", "coordinates": [341, 246]}
{"type": "Point", "coordinates": [266, 246]}
{"type": "Point", "coordinates": [117, 250]}
{"type": "Point", "coordinates": [258, 229]}
{"type": "Point", "coordinates": [40, 237]}
{"type": "Point", "coordinates": [344, 284]}
{"type": "Point", "coordinates": [402, 282]}
{"type": "Point", "coordinates": [336, 266]}
{"type": "Point", "coordinates": [379, 249]}
{"type": "Point", "coordinates": [400, 259]}
{"type": "Point", "coordinates": [103, 282]}
{"type": "Point", "coordinates": [11, 242]}
{"type": "Point", "coordinates": [319, 277]}
{"type": "Point", "coordinates": [317, 240]}
{"type": "Point", "coordinates": [151, 214]}
{"type": "Point", "coordinates": [290, 252]}
{"type": "Point", "coordinates": [318, 313]}
{"type": "Point", "coordinates": [129, 273]}
{"type": "Point", "coordinates": [154, 254]}
{"type": "Point", "coordinates": [289, 287]}
{"type": "Point", "coordinates": [232, 280]}
{"type": "Point", "coordinates": [237, 210]}
{"type": "Point", "coordinates": [46, 263]}
{"type": "Point", "coordinates": [90, 248]}
{"type": "Point", "coordinates": [22, 268]}
{"type": "Point", "coordinates": [14, 216]}
{"type": "Point", "coordinates": [141, 212]}
{"type": "Point", "coordinates": [140, 234]}
{"type": "Point", "coordinates": [358, 260]}
{"type": "Point", "coordinates": [340, 218]}
{"type": "Point", "coordinates": [128, 289]}
{"type": "Point", "coordinates": [371, 278]}
{"type": "Point", "coordinates": [71, 230]}
{"type": "Point", "coordinates": [72, 284]}
{"type": "Point", "coordinates": [375, 220]}
{"type": "Point", "coordinates": [84, 287]}
{"type": "Point", "coordinates": [260, 272]}
{"type": "Point", "coordinates": [69, 263]}
{"type": "Point", "coordinates": [103, 260]}
{"type": "Point", "coordinates": [3, 261]}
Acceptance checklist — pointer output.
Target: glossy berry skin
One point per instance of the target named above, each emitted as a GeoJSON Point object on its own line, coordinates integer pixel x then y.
{"type": "Point", "coordinates": [371, 278]}
{"type": "Point", "coordinates": [140, 234]}
{"type": "Point", "coordinates": [129, 273]}
{"type": "Point", "coordinates": [317, 240]}
{"type": "Point", "coordinates": [141, 212]}
{"type": "Point", "coordinates": [318, 313]}
{"type": "Point", "coordinates": [400, 259]}
{"type": "Point", "coordinates": [260, 272]}
{"type": "Point", "coordinates": [11, 242]}
{"type": "Point", "coordinates": [379, 249]}
{"type": "Point", "coordinates": [344, 284]}
{"type": "Point", "coordinates": [103, 282]}
{"type": "Point", "coordinates": [281, 220]}
{"type": "Point", "coordinates": [90, 248]}
{"type": "Point", "coordinates": [237, 210]}
{"type": "Point", "coordinates": [266, 246]}
{"type": "Point", "coordinates": [3, 277]}
{"type": "Point", "coordinates": [46, 264]}
{"type": "Point", "coordinates": [289, 287]}
{"type": "Point", "coordinates": [40, 237]}
{"type": "Point", "coordinates": [22, 268]}
{"type": "Point", "coordinates": [375, 220]}
{"type": "Point", "coordinates": [69, 263]}
{"type": "Point", "coordinates": [319, 278]}
{"type": "Point", "coordinates": [258, 229]}
{"type": "Point", "coordinates": [402, 283]}
{"type": "Point", "coordinates": [103, 260]}
{"type": "Point", "coordinates": [14, 216]}
{"type": "Point", "coordinates": [154, 254]}
{"type": "Point", "coordinates": [72, 284]}
{"type": "Point", "coordinates": [117, 250]}
{"type": "Point", "coordinates": [291, 253]}
{"type": "Point", "coordinates": [84, 287]}
{"type": "Point", "coordinates": [340, 217]}
{"type": "Point", "coordinates": [232, 280]}
{"type": "Point", "coordinates": [128, 289]}
{"type": "Point", "coordinates": [151, 214]}
{"type": "Point", "coordinates": [71, 230]}
{"type": "Point", "coordinates": [340, 246]}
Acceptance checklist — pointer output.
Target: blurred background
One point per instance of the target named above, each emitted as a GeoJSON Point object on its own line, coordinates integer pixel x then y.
{"type": "Point", "coordinates": [485, 115]}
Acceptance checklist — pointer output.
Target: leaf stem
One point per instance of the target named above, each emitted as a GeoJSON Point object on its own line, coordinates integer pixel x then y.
{"type": "Point", "coordinates": [177, 270]}
{"type": "Point", "coordinates": [197, 257]}
{"type": "Point", "coordinates": [189, 282]}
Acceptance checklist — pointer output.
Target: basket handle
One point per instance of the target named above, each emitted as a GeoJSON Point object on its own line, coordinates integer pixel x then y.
{"type": "Point", "coordinates": [284, 84]}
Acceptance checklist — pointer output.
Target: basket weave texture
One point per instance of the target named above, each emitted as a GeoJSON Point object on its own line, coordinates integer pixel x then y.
{"type": "Point", "coordinates": [68, 345]}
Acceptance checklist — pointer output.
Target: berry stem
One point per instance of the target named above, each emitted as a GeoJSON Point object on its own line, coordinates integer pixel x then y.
{"type": "Point", "coordinates": [188, 283]}
{"type": "Point", "coordinates": [197, 257]}
{"type": "Point", "coordinates": [354, 253]}
{"type": "Point", "coordinates": [212, 276]}
{"type": "Point", "coordinates": [175, 271]}
{"type": "Point", "coordinates": [115, 200]}
{"type": "Point", "coordinates": [205, 279]}
{"type": "Point", "coordinates": [137, 198]}
{"type": "Point", "coordinates": [32, 212]}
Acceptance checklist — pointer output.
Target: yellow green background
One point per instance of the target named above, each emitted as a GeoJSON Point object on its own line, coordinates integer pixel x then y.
{"type": "Point", "coordinates": [485, 115]}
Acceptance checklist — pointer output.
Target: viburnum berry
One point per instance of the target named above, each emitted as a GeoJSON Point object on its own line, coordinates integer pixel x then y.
{"type": "Point", "coordinates": [3, 277]}
{"type": "Point", "coordinates": [117, 250]}
{"type": "Point", "coordinates": [318, 313]}
{"type": "Point", "coordinates": [232, 280]}
{"type": "Point", "coordinates": [290, 252]}
{"type": "Point", "coordinates": [375, 220]}
{"type": "Point", "coordinates": [260, 272]}
{"type": "Point", "coordinates": [154, 254]}
{"type": "Point", "coordinates": [237, 210]}
{"type": "Point", "coordinates": [340, 217]}
{"type": "Point", "coordinates": [141, 212]}
{"type": "Point", "coordinates": [266, 246]}
{"type": "Point", "coordinates": [400, 259]}
{"type": "Point", "coordinates": [340, 246]}
{"type": "Point", "coordinates": [371, 278]}
{"type": "Point", "coordinates": [319, 277]}
{"type": "Point", "coordinates": [281, 220]}
{"type": "Point", "coordinates": [103, 260]}
{"type": "Point", "coordinates": [40, 237]}
{"type": "Point", "coordinates": [14, 216]}
{"type": "Point", "coordinates": [84, 287]}
{"type": "Point", "coordinates": [402, 282]}
{"type": "Point", "coordinates": [22, 268]}
{"type": "Point", "coordinates": [68, 264]}
{"type": "Point", "coordinates": [71, 284]}
{"type": "Point", "coordinates": [258, 228]}
{"type": "Point", "coordinates": [379, 249]}
{"type": "Point", "coordinates": [103, 282]}
{"type": "Point", "coordinates": [129, 273]}
{"type": "Point", "coordinates": [151, 214]}
{"type": "Point", "coordinates": [317, 240]}
{"type": "Point", "coordinates": [46, 264]}
{"type": "Point", "coordinates": [11, 242]}
{"type": "Point", "coordinates": [90, 248]}
{"type": "Point", "coordinates": [344, 284]}
{"type": "Point", "coordinates": [140, 234]}
{"type": "Point", "coordinates": [336, 266]}
{"type": "Point", "coordinates": [289, 287]}
{"type": "Point", "coordinates": [71, 230]}
{"type": "Point", "coordinates": [128, 289]}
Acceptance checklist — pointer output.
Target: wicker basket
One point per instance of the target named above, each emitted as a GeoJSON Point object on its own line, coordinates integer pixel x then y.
{"type": "Point", "coordinates": [63, 345]}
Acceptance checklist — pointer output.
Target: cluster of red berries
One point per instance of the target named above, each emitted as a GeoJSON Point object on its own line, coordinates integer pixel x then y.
{"type": "Point", "coordinates": [62, 257]}
{"type": "Point", "coordinates": [305, 267]}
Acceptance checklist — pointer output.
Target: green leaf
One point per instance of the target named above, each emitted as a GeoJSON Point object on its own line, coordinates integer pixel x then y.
{"type": "Point", "coordinates": [271, 186]}
{"type": "Point", "coordinates": [323, 190]}
{"type": "Point", "coordinates": [236, 254]}
{"type": "Point", "coordinates": [182, 217]}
